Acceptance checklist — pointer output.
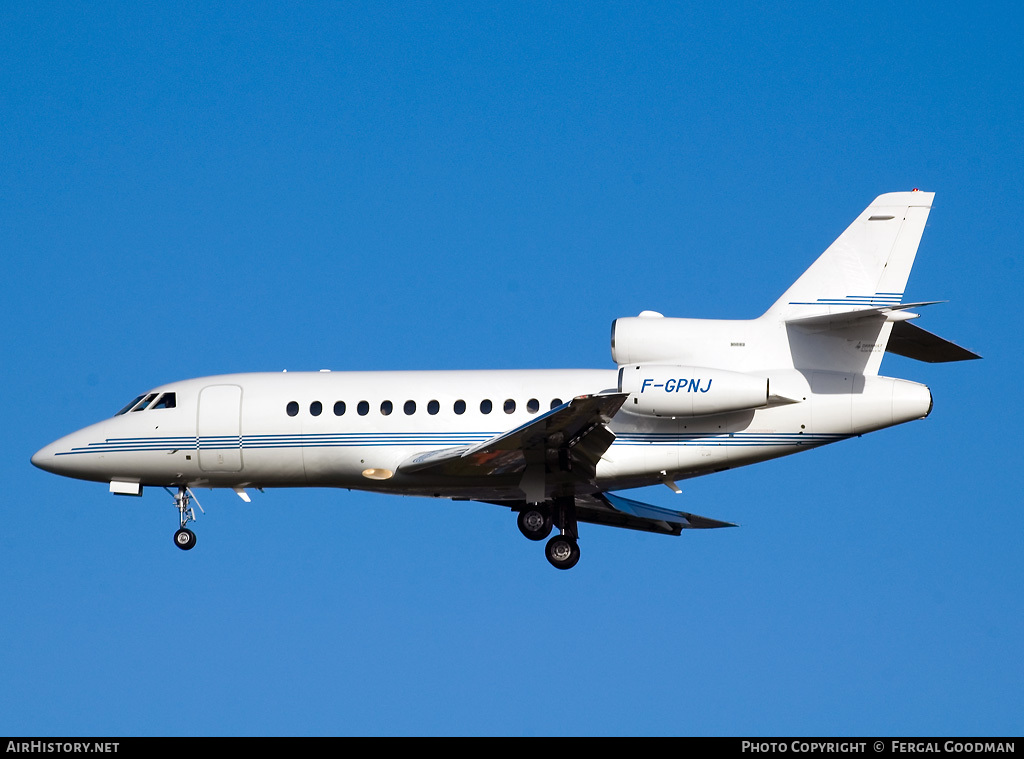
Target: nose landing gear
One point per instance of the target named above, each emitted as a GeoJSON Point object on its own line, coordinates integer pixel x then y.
{"type": "Point", "coordinates": [184, 538]}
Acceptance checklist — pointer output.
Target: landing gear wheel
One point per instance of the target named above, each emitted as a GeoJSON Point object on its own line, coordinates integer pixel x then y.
{"type": "Point", "coordinates": [185, 539]}
{"type": "Point", "coordinates": [534, 523]}
{"type": "Point", "coordinates": [562, 552]}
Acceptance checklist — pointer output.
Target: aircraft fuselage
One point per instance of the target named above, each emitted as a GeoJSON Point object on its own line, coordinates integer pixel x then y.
{"type": "Point", "coordinates": [355, 429]}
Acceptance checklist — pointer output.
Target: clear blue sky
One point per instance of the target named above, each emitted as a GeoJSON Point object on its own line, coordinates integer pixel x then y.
{"type": "Point", "coordinates": [208, 188]}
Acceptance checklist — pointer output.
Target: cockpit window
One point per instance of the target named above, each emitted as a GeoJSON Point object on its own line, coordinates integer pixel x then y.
{"type": "Point", "coordinates": [145, 402]}
{"type": "Point", "coordinates": [129, 407]}
{"type": "Point", "coordinates": [167, 400]}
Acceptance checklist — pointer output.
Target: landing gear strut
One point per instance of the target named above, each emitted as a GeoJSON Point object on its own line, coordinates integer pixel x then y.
{"type": "Point", "coordinates": [184, 538]}
{"type": "Point", "coordinates": [535, 521]}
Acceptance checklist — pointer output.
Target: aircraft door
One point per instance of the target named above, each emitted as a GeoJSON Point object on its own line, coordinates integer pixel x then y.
{"type": "Point", "coordinates": [218, 428]}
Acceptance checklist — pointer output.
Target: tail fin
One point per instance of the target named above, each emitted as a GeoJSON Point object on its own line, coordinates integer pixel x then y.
{"type": "Point", "coordinates": [867, 266]}
{"type": "Point", "coordinates": [839, 313]}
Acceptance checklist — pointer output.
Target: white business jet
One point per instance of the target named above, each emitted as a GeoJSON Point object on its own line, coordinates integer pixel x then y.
{"type": "Point", "coordinates": [689, 397]}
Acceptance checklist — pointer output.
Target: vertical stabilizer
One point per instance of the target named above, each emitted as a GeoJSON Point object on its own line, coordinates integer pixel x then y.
{"type": "Point", "coordinates": [867, 266]}
{"type": "Point", "coordinates": [865, 269]}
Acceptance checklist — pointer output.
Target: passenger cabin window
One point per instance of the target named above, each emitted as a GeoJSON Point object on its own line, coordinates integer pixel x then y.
{"type": "Point", "coordinates": [460, 407]}
{"type": "Point", "coordinates": [433, 407]}
{"type": "Point", "coordinates": [485, 406]}
{"type": "Point", "coordinates": [339, 408]}
{"type": "Point", "coordinates": [167, 400]}
{"type": "Point", "coordinates": [556, 402]}
{"type": "Point", "coordinates": [363, 408]}
{"type": "Point", "coordinates": [386, 407]}
{"type": "Point", "coordinates": [316, 408]}
{"type": "Point", "coordinates": [533, 405]}
{"type": "Point", "coordinates": [410, 408]}
{"type": "Point", "coordinates": [510, 406]}
{"type": "Point", "coordinates": [292, 408]}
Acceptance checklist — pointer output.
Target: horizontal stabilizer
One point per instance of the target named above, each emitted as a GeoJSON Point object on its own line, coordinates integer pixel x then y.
{"type": "Point", "coordinates": [847, 317]}
{"type": "Point", "coordinates": [911, 341]}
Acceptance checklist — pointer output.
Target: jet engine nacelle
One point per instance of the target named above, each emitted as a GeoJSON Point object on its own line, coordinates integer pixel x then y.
{"type": "Point", "coordinates": [654, 339]}
{"type": "Point", "coordinates": [689, 390]}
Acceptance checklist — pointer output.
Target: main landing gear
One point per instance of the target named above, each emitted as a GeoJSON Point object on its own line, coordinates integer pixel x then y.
{"type": "Point", "coordinates": [536, 522]}
{"type": "Point", "coordinates": [184, 538]}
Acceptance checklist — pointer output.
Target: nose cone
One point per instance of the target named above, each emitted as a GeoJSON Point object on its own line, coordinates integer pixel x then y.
{"type": "Point", "coordinates": [46, 459]}
{"type": "Point", "coordinates": [68, 457]}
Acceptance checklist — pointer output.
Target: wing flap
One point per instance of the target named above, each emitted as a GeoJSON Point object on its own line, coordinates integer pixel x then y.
{"type": "Point", "coordinates": [648, 511]}
{"type": "Point", "coordinates": [616, 511]}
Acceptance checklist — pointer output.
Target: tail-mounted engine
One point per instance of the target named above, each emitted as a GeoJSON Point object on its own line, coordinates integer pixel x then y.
{"type": "Point", "coordinates": [672, 391]}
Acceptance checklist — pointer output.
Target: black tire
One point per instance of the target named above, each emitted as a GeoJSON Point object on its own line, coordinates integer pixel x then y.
{"type": "Point", "coordinates": [562, 552]}
{"type": "Point", "coordinates": [534, 522]}
{"type": "Point", "coordinates": [185, 539]}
